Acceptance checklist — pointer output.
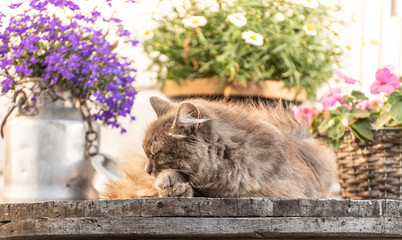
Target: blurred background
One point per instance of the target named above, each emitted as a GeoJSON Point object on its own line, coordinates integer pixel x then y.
{"type": "Point", "coordinates": [371, 38]}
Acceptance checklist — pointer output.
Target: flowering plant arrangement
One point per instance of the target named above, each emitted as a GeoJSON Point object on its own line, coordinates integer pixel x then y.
{"type": "Point", "coordinates": [240, 41]}
{"type": "Point", "coordinates": [64, 47]}
{"type": "Point", "coordinates": [354, 111]}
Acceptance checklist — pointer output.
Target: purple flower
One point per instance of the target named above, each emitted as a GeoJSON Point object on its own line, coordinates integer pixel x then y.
{"type": "Point", "coordinates": [29, 44]}
{"type": "Point", "coordinates": [5, 63]}
{"type": "Point", "coordinates": [18, 52]}
{"type": "Point", "coordinates": [124, 33]}
{"type": "Point", "coordinates": [74, 39]}
{"type": "Point", "coordinates": [79, 16]}
{"type": "Point", "coordinates": [33, 60]}
{"type": "Point", "coordinates": [134, 42]}
{"type": "Point", "coordinates": [115, 20]}
{"type": "Point", "coordinates": [23, 69]}
{"type": "Point", "coordinates": [6, 84]}
{"type": "Point", "coordinates": [62, 49]}
{"type": "Point", "coordinates": [73, 55]}
{"type": "Point", "coordinates": [95, 14]}
{"type": "Point", "coordinates": [14, 6]}
{"type": "Point", "coordinates": [38, 5]}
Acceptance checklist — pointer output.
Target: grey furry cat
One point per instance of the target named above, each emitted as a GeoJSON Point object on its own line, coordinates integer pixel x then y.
{"type": "Point", "coordinates": [217, 149]}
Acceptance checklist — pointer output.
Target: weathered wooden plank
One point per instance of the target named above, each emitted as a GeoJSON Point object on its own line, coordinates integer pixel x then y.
{"type": "Point", "coordinates": [169, 227]}
{"type": "Point", "coordinates": [203, 218]}
{"type": "Point", "coordinates": [204, 207]}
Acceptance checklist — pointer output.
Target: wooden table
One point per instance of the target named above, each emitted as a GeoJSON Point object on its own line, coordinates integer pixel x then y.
{"type": "Point", "coordinates": [195, 218]}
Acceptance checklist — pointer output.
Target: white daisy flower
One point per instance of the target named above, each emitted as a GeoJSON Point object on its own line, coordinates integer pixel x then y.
{"type": "Point", "coordinates": [154, 54]}
{"type": "Point", "coordinates": [148, 34]}
{"type": "Point", "coordinates": [253, 38]}
{"type": "Point", "coordinates": [310, 29]}
{"type": "Point", "coordinates": [289, 13]}
{"type": "Point", "coordinates": [163, 58]}
{"type": "Point", "coordinates": [279, 17]}
{"type": "Point", "coordinates": [194, 21]}
{"type": "Point", "coordinates": [237, 19]}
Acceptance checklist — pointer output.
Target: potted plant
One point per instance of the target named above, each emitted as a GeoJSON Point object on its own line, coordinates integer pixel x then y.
{"type": "Point", "coordinates": [234, 47]}
{"type": "Point", "coordinates": [62, 71]}
{"type": "Point", "coordinates": [366, 134]}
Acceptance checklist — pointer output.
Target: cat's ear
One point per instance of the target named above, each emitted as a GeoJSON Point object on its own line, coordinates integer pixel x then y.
{"type": "Point", "coordinates": [160, 105]}
{"type": "Point", "coordinates": [188, 115]}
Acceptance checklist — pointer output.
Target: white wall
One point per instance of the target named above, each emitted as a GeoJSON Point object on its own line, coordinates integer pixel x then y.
{"type": "Point", "coordinates": [374, 36]}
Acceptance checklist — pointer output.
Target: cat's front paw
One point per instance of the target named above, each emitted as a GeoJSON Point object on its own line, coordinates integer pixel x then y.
{"type": "Point", "coordinates": [173, 184]}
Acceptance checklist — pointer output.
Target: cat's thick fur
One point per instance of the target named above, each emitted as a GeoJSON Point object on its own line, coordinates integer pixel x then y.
{"type": "Point", "coordinates": [135, 182]}
{"type": "Point", "coordinates": [217, 149]}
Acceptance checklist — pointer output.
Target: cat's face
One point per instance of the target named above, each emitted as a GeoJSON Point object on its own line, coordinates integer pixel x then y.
{"type": "Point", "coordinates": [170, 141]}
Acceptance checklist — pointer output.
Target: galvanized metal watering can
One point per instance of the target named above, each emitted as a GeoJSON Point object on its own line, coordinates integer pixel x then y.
{"type": "Point", "coordinates": [45, 155]}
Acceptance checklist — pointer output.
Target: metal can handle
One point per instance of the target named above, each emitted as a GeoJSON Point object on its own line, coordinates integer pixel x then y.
{"type": "Point", "coordinates": [98, 163]}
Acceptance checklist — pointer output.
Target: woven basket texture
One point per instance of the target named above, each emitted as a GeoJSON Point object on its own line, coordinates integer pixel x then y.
{"type": "Point", "coordinates": [371, 170]}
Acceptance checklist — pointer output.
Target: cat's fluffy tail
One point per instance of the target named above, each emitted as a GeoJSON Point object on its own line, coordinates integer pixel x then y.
{"type": "Point", "coordinates": [283, 119]}
{"type": "Point", "coordinates": [135, 183]}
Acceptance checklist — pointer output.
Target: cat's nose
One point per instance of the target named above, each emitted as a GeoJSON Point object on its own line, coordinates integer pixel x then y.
{"type": "Point", "coordinates": [148, 168]}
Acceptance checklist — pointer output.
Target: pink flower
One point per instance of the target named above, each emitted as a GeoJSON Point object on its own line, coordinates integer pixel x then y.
{"type": "Point", "coordinates": [376, 104]}
{"type": "Point", "coordinates": [347, 79]}
{"type": "Point", "coordinates": [305, 113]}
{"type": "Point", "coordinates": [347, 106]}
{"type": "Point", "coordinates": [363, 105]}
{"type": "Point", "coordinates": [385, 82]}
{"type": "Point", "coordinates": [331, 97]}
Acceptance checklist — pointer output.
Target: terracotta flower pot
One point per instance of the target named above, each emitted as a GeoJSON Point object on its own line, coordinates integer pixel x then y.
{"type": "Point", "coordinates": [205, 87]}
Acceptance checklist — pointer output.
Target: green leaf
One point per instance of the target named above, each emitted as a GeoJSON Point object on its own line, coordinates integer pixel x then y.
{"type": "Point", "coordinates": [336, 143]}
{"type": "Point", "coordinates": [361, 138]}
{"type": "Point", "coordinates": [360, 113]}
{"type": "Point", "coordinates": [324, 126]}
{"type": "Point", "coordinates": [337, 131]}
{"type": "Point", "coordinates": [384, 116]}
{"type": "Point", "coordinates": [359, 95]}
{"type": "Point", "coordinates": [394, 124]}
{"type": "Point", "coordinates": [342, 109]}
{"type": "Point", "coordinates": [396, 112]}
{"type": "Point", "coordinates": [348, 116]}
{"type": "Point", "coordinates": [347, 99]}
{"type": "Point", "coordinates": [363, 129]}
{"type": "Point", "coordinates": [395, 99]}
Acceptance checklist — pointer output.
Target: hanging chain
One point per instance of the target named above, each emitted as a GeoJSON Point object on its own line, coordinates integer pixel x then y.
{"type": "Point", "coordinates": [20, 101]}
{"type": "Point", "coordinates": [91, 136]}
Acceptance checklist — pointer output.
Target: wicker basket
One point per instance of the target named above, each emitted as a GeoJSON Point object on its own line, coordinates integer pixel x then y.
{"type": "Point", "coordinates": [371, 170]}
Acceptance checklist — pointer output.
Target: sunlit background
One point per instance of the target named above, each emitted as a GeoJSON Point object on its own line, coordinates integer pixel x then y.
{"type": "Point", "coordinates": [371, 38]}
